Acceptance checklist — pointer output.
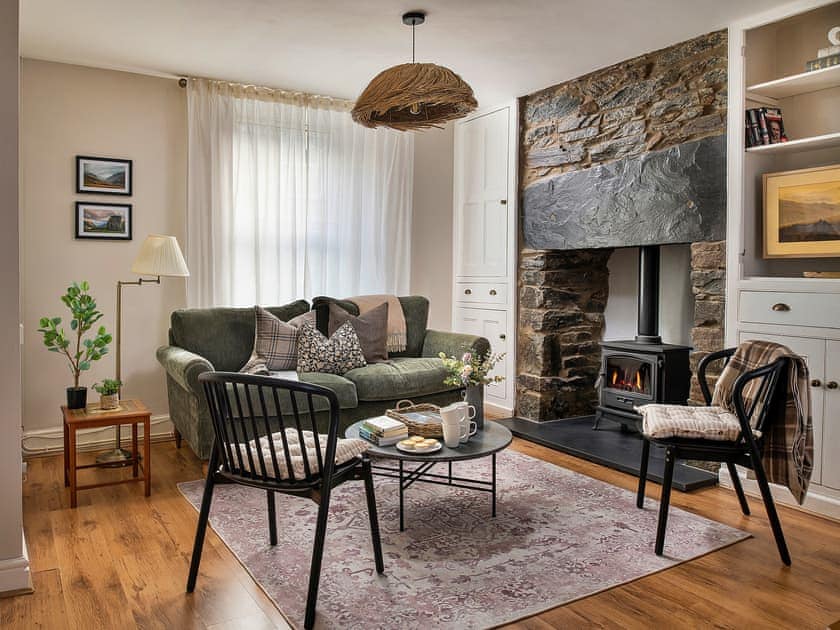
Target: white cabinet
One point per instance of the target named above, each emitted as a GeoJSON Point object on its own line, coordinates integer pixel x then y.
{"type": "Point", "coordinates": [491, 324]}
{"type": "Point", "coordinates": [484, 256]}
{"type": "Point", "coordinates": [831, 417]}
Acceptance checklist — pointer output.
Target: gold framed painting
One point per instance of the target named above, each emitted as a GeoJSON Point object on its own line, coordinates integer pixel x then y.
{"type": "Point", "coordinates": [802, 213]}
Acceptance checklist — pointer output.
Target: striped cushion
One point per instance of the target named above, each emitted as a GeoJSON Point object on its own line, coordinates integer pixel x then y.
{"type": "Point", "coordinates": [345, 450]}
{"type": "Point", "coordinates": [678, 421]}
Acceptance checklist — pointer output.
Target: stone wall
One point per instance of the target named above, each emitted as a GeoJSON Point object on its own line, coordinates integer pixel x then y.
{"type": "Point", "coordinates": [708, 284]}
{"type": "Point", "coordinates": [654, 102]}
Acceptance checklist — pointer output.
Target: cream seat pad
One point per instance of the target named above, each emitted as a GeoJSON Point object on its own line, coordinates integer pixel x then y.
{"type": "Point", "coordinates": [678, 421]}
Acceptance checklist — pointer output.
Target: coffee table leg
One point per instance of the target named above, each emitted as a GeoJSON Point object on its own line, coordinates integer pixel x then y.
{"type": "Point", "coordinates": [402, 490]}
{"type": "Point", "coordinates": [450, 473]}
{"type": "Point", "coordinates": [494, 485]}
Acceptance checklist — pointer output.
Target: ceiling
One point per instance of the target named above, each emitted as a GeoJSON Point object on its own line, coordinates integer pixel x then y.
{"type": "Point", "coordinates": [503, 48]}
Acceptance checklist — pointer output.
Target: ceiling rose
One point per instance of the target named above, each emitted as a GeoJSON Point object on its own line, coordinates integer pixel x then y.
{"type": "Point", "coordinates": [414, 95]}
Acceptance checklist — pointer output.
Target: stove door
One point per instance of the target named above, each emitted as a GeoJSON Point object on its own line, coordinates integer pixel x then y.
{"type": "Point", "coordinates": [627, 381]}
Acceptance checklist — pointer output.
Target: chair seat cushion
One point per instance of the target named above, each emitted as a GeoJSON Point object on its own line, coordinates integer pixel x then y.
{"type": "Point", "coordinates": [679, 421]}
{"type": "Point", "coordinates": [403, 377]}
{"type": "Point", "coordinates": [345, 450]}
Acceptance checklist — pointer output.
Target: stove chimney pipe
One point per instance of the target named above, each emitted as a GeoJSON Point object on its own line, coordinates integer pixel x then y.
{"type": "Point", "coordinates": [648, 329]}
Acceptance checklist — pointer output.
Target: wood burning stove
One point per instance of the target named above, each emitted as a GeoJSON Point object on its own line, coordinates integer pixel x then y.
{"type": "Point", "coordinates": [643, 370]}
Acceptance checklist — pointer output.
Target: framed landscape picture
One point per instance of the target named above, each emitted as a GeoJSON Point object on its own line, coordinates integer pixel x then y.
{"type": "Point", "coordinates": [103, 176]}
{"type": "Point", "coordinates": [103, 220]}
{"type": "Point", "coordinates": [802, 213]}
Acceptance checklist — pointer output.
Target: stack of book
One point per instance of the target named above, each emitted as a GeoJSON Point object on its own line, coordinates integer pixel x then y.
{"type": "Point", "coordinates": [826, 58]}
{"type": "Point", "coordinates": [383, 431]}
{"type": "Point", "coordinates": [764, 126]}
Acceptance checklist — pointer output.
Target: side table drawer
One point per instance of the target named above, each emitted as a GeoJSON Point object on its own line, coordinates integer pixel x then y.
{"type": "Point", "coordinates": [482, 292]}
{"type": "Point", "coordinates": [821, 310]}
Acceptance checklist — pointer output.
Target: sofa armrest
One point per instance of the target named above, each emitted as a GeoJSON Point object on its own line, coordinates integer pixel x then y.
{"type": "Point", "coordinates": [183, 366]}
{"type": "Point", "coordinates": [453, 344]}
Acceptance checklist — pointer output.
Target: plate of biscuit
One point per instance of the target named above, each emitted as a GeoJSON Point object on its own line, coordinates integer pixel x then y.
{"type": "Point", "coordinates": [417, 444]}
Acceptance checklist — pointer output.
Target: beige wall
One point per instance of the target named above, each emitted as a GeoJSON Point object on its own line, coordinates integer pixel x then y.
{"type": "Point", "coordinates": [431, 227]}
{"type": "Point", "coordinates": [14, 569]}
{"type": "Point", "coordinates": [68, 111]}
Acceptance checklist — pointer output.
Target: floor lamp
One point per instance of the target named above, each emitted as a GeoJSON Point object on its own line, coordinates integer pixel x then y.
{"type": "Point", "coordinates": [159, 256]}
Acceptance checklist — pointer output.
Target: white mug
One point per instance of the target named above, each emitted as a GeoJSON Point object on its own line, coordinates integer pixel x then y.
{"type": "Point", "coordinates": [468, 427]}
{"type": "Point", "coordinates": [454, 429]}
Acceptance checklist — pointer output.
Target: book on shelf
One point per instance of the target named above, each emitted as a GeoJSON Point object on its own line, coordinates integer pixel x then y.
{"type": "Point", "coordinates": [381, 440]}
{"type": "Point", "coordinates": [823, 62]}
{"type": "Point", "coordinates": [775, 125]}
{"type": "Point", "coordinates": [826, 52]}
{"type": "Point", "coordinates": [764, 126]}
{"type": "Point", "coordinates": [754, 134]}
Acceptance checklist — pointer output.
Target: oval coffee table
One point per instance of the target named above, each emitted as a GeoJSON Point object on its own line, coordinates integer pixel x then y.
{"type": "Point", "coordinates": [487, 442]}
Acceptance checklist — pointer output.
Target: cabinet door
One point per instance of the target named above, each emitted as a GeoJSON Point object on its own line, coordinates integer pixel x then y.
{"type": "Point", "coordinates": [831, 422]}
{"type": "Point", "coordinates": [482, 207]}
{"type": "Point", "coordinates": [813, 351]}
{"type": "Point", "coordinates": [491, 324]}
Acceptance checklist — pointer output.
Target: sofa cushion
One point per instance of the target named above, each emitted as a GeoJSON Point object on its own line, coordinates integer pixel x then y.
{"type": "Point", "coordinates": [404, 377]}
{"type": "Point", "coordinates": [275, 344]}
{"type": "Point", "coordinates": [224, 336]}
{"type": "Point", "coordinates": [415, 309]}
{"type": "Point", "coordinates": [372, 329]}
{"type": "Point", "coordinates": [339, 353]}
{"type": "Point", "coordinates": [344, 390]}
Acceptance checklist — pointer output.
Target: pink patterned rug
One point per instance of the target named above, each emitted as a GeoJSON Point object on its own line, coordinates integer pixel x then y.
{"type": "Point", "coordinates": [558, 536]}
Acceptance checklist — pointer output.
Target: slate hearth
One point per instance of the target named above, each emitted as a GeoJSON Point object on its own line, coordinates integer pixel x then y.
{"type": "Point", "coordinates": [609, 446]}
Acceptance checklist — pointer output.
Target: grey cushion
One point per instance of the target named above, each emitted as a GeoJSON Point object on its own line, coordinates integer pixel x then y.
{"type": "Point", "coordinates": [399, 378]}
{"type": "Point", "coordinates": [371, 327]}
{"type": "Point", "coordinates": [224, 336]}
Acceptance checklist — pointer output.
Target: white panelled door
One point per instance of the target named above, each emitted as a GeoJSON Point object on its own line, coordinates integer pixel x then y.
{"type": "Point", "coordinates": [831, 422]}
{"type": "Point", "coordinates": [483, 204]}
{"type": "Point", "coordinates": [491, 324]}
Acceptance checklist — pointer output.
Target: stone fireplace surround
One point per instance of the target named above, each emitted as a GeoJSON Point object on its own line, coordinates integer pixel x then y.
{"type": "Point", "coordinates": [650, 127]}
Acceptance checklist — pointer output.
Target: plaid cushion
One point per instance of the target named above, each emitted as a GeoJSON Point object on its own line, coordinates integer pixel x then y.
{"type": "Point", "coordinates": [275, 345]}
{"type": "Point", "coordinates": [340, 353]}
{"type": "Point", "coordinates": [678, 421]}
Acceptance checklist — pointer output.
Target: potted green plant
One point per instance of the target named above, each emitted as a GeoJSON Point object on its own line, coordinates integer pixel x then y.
{"type": "Point", "coordinates": [109, 393]}
{"type": "Point", "coordinates": [78, 350]}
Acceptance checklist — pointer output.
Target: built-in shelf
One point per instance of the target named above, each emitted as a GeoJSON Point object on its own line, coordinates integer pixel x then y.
{"type": "Point", "coordinates": [795, 84]}
{"type": "Point", "coordinates": [802, 144]}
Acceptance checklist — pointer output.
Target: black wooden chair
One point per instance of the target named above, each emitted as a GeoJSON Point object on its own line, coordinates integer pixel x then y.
{"type": "Point", "coordinates": [244, 409]}
{"type": "Point", "coordinates": [745, 450]}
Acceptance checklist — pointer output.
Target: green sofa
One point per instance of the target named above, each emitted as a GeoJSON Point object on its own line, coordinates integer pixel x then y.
{"type": "Point", "coordinates": [206, 339]}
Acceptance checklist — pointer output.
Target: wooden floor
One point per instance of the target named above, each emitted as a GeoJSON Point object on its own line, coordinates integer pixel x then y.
{"type": "Point", "coordinates": [120, 561]}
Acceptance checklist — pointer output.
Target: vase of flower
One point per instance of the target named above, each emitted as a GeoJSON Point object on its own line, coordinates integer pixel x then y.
{"type": "Point", "coordinates": [472, 373]}
{"type": "Point", "coordinates": [474, 396]}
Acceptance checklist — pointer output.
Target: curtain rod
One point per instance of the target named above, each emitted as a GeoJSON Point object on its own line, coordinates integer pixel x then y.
{"type": "Point", "coordinates": [183, 82]}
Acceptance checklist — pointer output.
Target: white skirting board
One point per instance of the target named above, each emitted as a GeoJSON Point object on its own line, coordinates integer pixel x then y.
{"type": "Point", "coordinates": [15, 576]}
{"type": "Point", "coordinates": [820, 501]}
{"type": "Point", "coordinates": [493, 408]}
{"type": "Point", "coordinates": [48, 441]}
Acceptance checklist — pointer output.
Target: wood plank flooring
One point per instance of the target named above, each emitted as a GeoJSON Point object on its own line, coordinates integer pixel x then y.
{"type": "Point", "coordinates": [120, 561]}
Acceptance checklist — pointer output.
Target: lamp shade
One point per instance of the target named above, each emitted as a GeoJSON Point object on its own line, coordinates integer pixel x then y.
{"type": "Point", "coordinates": [160, 256]}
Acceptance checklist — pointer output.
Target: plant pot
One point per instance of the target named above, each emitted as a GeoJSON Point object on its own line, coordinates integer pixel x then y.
{"type": "Point", "coordinates": [109, 401]}
{"type": "Point", "coordinates": [76, 397]}
{"type": "Point", "coordinates": [474, 395]}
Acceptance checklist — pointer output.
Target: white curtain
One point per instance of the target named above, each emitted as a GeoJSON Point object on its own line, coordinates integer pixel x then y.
{"type": "Point", "coordinates": [288, 198]}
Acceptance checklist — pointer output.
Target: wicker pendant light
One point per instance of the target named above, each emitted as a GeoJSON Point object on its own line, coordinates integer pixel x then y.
{"type": "Point", "coordinates": [414, 95]}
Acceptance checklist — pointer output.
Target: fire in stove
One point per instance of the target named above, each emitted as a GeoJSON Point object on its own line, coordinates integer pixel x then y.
{"type": "Point", "coordinates": [629, 376]}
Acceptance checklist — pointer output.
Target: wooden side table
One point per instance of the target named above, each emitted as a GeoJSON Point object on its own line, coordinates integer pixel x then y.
{"type": "Point", "coordinates": [132, 412]}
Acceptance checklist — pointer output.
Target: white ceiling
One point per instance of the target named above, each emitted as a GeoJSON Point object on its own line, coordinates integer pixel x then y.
{"type": "Point", "coordinates": [503, 48]}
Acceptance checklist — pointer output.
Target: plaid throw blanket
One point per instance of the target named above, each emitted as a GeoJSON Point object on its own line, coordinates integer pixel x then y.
{"type": "Point", "coordinates": [788, 438]}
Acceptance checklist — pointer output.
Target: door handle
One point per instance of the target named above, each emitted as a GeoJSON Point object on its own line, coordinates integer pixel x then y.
{"type": "Point", "coordinates": [832, 385]}
{"type": "Point", "coordinates": [816, 383]}
{"type": "Point", "coordinates": [503, 202]}
{"type": "Point", "coordinates": [467, 291]}
{"type": "Point", "coordinates": [503, 336]}
{"type": "Point", "coordinates": [492, 291]}
{"type": "Point", "coordinates": [780, 307]}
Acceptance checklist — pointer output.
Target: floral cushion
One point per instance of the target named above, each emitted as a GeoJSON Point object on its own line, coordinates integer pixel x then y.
{"type": "Point", "coordinates": [678, 421]}
{"type": "Point", "coordinates": [340, 353]}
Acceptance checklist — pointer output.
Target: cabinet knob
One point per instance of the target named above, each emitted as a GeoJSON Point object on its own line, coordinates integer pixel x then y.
{"type": "Point", "coordinates": [492, 291]}
{"type": "Point", "coordinates": [816, 383]}
{"type": "Point", "coordinates": [503, 202]}
{"type": "Point", "coordinates": [832, 385]}
{"type": "Point", "coordinates": [503, 336]}
{"type": "Point", "coordinates": [780, 307]}
{"type": "Point", "coordinates": [467, 291]}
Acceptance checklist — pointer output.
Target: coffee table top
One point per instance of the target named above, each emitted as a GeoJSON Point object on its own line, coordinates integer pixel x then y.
{"type": "Point", "coordinates": [492, 439]}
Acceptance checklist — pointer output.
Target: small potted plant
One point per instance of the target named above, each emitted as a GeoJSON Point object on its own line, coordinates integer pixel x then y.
{"type": "Point", "coordinates": [109, 393]}
{"type": "Point", "coordinates": [78, 350]}
{"type": "Point", "coordinates": [472, 372]}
